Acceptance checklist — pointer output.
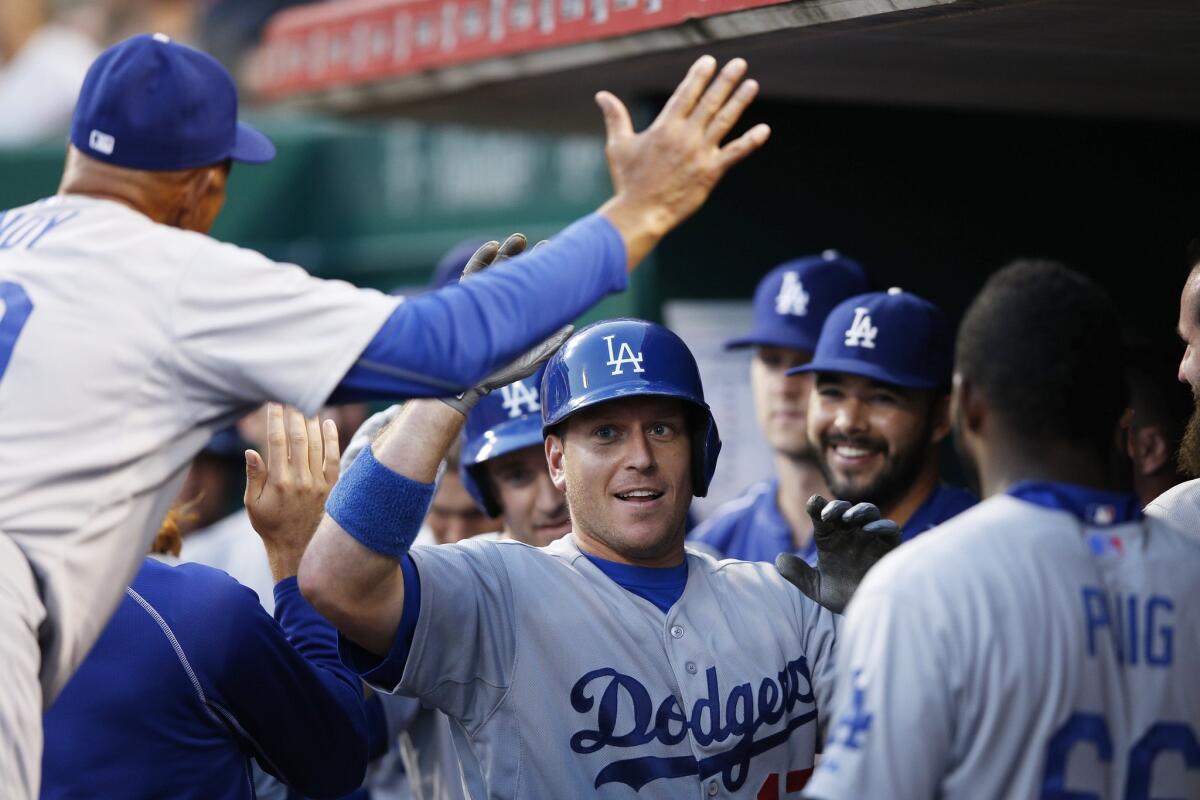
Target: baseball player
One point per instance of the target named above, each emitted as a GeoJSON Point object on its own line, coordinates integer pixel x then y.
{"type": "Point", "coordinates": [611, 662]}
{"type": "Point", "coordinates": [1181, 504]}
{"type": "Point", "coordinates": [880, 407]}
{"type": "Point", "coordinates": [192, 678]}
{"type": "Point", "coordinates": [1043, 643]}
{"type": "Point", "coordinates": [790, 304]}
{"type": "Point", "coordinates": [503, 464]}
{"type": "Point", "coordinates": [128, 336]}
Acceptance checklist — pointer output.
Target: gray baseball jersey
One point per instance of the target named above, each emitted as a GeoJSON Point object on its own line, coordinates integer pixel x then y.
{"type": "Point", "coordinates": [133, 342]}
{"type": "Point", "coordinates": [1018, 652]}
{"type": "Point", "coordinates": [1179, 506]}
{"type": "Point", "coordinates": [564, 684]}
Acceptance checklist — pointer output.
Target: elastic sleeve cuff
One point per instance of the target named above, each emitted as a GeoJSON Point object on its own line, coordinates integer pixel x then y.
{"type": "Point", "coordinates": [385, 673]}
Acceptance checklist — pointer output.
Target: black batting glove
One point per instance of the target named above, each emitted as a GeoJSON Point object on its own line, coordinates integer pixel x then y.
{"type": "Point", "coordinates": [850, 539]}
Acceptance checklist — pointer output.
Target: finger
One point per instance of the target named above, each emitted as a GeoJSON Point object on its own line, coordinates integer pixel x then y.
{"type": "Point", "coordinates": [832, 513]}
{"type": "Point", "coordinates": [800, 575]}
{"type": "Point", "coordinates": [256, 477]}
{"type": "Point", "coordinates": [860, 515]}
{"type": "Point", "coordinates": [815, 505]}
{"type": "Point", "coordinates": [297, 444]}
{"type": "Point", "coordinates": [887, 531]}
{"type": "Point", "coordinates": [731, 112]}
{"type": "Point", "coordinates": [276, 438]}
{"type": "Point", "coordinates": [332, 464]}
{"type": "Point", "coordinates": [686, 94]}
{"type": "Point", "coordinates": [513, 246]}
{"type": "Point", "coordinates": [539, 245]}
{"type": "Point", "coordinates": [617, 124]}
{"type": "Point", "coordinates": [481, 258]}
{"type": "Point", "coordinates": [744, 145]}
{"type": "Point", "coordinates": [316, 446]}
{"type": "Point", "coordinates": [718, 91]}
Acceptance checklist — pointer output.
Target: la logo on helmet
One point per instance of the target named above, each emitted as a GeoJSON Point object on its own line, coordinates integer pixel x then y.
{"type": "Point", "coordinates": [792, 299]}
{"type": "Point", "coordinates": [519, 395]}
{"type": "Point", "coordinates": [861, 332]}
{"type": "Point", "coordinates": [623, 356]}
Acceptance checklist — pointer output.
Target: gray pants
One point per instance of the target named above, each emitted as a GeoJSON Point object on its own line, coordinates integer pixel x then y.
{"type": "Point", "coordinates": [21, 613]}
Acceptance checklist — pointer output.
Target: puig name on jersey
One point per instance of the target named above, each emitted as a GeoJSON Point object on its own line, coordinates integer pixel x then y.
{"type": "Point", "coordinates": [743, 712]}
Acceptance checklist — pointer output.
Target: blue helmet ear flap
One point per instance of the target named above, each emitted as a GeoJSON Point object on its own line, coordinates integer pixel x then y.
{"type": "Point", "coordinates": [479, 487]}
{"type": "Point", "coordinates": [706, 446]}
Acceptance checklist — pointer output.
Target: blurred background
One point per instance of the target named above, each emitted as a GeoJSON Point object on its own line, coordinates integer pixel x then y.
{"type": "Point", "coordinates": [933, 141]}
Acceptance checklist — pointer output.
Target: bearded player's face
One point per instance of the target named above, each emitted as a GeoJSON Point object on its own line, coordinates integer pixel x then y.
{"type": "Point", "coordinates": [625, 466]}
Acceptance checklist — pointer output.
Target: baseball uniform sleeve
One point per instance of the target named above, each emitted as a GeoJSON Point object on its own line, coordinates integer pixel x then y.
{"type": "Point", "coordinates": [248, 330]}
{"type": "Point", "coordinates": [282, 688]}
{"type": "Point", "coordinates": [464, 647]}
{"type": "Point", "coordinates": [819, 628]}
{"type": "Point", "coordinates": [891, 730]}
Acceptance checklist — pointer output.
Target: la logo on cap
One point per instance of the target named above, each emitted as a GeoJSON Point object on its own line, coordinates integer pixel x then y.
{"type": "Point", "coordinates": [519, 394]}
{"type": "Point", "coordinates": [792, 299]}
{"type": "Point", "coordinates": [623, 356]}
{"type": "Point", "coordinates": [861, 332]}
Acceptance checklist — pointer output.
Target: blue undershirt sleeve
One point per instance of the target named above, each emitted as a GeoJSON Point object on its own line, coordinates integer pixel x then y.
{"type": "Point", "coordinates": [446, 341]}
{"type": "Point", "coordinates": [385, 673]}
{"type": "Point", "coordinates": [289, 696]}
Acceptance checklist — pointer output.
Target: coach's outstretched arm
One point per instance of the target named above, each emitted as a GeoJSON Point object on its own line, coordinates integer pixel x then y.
{"type": "Point", "coordinates": [447, 340]}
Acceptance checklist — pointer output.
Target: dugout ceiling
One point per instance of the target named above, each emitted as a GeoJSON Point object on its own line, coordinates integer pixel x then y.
{"type": "Point", "coordinates": [1096, 58]}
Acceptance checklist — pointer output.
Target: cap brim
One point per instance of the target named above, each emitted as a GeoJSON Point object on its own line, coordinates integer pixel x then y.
{"type": "Point", "coordinates": [865, 369]}
{"type": "Point", "coordinates": [766, 339]}
{"type": "Point", "coordinates": [251, 146]}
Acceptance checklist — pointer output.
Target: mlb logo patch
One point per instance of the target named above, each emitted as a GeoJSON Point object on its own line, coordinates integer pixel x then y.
{"type": "Point", "coordinates": [101, 142]}
{"type": "Point", "coordinates": [1106, 546]}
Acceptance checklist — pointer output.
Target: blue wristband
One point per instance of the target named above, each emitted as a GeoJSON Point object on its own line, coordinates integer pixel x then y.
{"type": "Point", "coordinates": [380, 508]}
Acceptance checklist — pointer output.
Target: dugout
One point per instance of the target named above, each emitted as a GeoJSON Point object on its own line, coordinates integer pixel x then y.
{"type": "Point", "coordinates": [931, 140]}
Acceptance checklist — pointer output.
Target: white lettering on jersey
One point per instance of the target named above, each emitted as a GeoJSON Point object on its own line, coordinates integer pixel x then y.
{"type": "Point", "coordinates": [792, 299]}
{"type": "Point", "coordinates": [861, 332]}
{"type": "Point", "coordinates": [625, 355]}
{"type": "Point", "coordinates": [517, 396]}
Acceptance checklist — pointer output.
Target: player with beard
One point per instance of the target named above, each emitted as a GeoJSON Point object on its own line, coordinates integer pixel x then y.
{"type": "Point", "coordinates": [790, 304]}
{"type": "Point", "coordinates": [880, 407]}
{"type": "Point", "coordinates": [1181, 504]}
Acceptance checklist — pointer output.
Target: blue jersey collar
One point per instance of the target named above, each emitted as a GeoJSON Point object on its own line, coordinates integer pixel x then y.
{"type": "Point", "coordinates": [662, 586]}
{"type": "Point", "coordinates": [1090, 506]}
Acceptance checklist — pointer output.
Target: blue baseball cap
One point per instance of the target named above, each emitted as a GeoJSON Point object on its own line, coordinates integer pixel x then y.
{"type": "Point", "coordinates": [893, 337]}
{"type": "Point", "coordinates": [150, 103]}
{"type": "Point", "coordinates": [793, 300]}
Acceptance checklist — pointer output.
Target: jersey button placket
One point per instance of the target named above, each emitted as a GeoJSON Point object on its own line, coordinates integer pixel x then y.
{"type": "Point", "coordinates": [712, 788]}
{"type": "Point", "coordinates": [677, 631]}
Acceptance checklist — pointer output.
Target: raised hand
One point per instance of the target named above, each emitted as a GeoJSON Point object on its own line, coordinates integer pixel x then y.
{"type": "Point", "coordinates": [663, 174]}
{"type": "Point", "coordinates": [285, 494]}
{"type": "Point", "coordinates": [850, 539]}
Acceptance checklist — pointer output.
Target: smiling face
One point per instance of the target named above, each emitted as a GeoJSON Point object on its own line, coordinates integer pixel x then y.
{"type": "Point", "coordinates": [535, 510]}
{"type": "Point", "coordinates": [781, 402]}
{"type": "Point", "coordinates": [873, 439]}
{"type": "Point", "coordinates": [625, 466]}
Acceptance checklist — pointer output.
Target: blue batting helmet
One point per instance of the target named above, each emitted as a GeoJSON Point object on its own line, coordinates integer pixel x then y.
{"type": "Point", "coordinates": [621, 358]}
{"type": "Point", "coordinates": [504, 421]}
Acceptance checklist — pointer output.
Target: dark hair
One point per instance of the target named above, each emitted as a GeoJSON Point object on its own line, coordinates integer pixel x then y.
{"type": "Point", "coordinates": [1044, 345]}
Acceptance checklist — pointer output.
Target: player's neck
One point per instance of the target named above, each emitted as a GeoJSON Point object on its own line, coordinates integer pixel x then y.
{"type": "Point", "coordinates": [799, 479]}
{"type": "Point", "coordinates": [922, 488]}
{"type": "Point", "coordinates": [594, 546]}
{"type": "Point", "coordinates": [1007, 465]}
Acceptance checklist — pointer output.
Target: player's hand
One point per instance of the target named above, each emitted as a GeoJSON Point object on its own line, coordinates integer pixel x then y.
{"type": "Point", "coordinates": [850, 539]}
{"type": "Point", "coordinates": [490, 253]}
{"type": "Point", "coordinates": [285, 494]}
{"type": "Point", "coordinates": [663, 174]}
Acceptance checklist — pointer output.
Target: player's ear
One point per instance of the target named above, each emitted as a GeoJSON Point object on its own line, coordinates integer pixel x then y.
{"type": "Point", "coordinates": [554, 461]}
{"type": "Point", "coordinates": [968, 410]}
{"type": "Point", "coordinates": [940, 409]}
{"type": "Point", "coordinates": [1149, 450]}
